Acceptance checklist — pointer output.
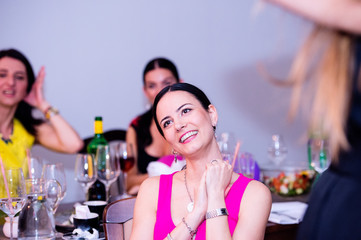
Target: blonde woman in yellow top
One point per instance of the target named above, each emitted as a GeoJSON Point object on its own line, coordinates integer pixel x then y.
{"type": "Point", "coordinates": [20, 93]}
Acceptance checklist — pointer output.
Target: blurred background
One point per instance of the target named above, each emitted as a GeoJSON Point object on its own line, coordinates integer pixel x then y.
{"type": "Point", "coordinates": [95, 51]}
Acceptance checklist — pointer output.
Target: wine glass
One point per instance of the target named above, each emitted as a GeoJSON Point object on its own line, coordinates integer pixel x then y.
{"type": "Point", "coordinates": [277, 150]}
{"type": "Point", "coordinates": [35, 166]}
{"type": "Point", "coordinates": [125, 155]}
{"type": "Point", "coordinates": [226, 145]}
{"type": "Point", "coordinates": [12, 193]}
{"type": "Point", "coordinates": [107, 166]}
{"type": "Point", "coordinates": [85, 172]}
{"type": "Point", "coordinates": [320, 156]}
{"type": "Point", "coordinates": [55, 172]}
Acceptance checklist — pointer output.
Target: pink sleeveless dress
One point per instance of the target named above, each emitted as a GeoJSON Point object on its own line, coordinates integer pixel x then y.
{"type": "Point", "coordinates": [164, 223]}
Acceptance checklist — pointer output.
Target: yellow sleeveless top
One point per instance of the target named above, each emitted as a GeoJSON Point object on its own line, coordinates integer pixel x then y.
{"type": "Point", "coordinates": [13, 153]}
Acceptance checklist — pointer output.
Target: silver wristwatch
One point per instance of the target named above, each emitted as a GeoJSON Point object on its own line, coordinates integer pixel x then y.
{"type": "Point", "coordinates": [216, 213]}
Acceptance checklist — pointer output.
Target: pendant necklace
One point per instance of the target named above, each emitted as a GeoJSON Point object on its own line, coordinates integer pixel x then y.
{"type": "Point", "coordinates": [191, 204]}
{"type": "Point", "coordinates": [7, 139]}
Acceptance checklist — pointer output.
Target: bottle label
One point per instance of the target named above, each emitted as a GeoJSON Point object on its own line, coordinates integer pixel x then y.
{"type": "Point", "coordinates": [98, 127]}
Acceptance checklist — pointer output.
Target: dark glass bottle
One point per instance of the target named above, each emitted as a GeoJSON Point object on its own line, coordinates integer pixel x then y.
{"type": "Point", "coordinates": [97, 190]}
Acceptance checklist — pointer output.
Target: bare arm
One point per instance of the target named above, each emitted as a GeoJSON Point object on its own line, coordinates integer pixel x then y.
{"type": "Point", "coordinates": [56, 134]}
{"type": "Point", "coordinates": [145, 210]}
{"type": "Point", "coordinates": [134, 179]}
{"type": "Point", "coordinates": [59, 136]}
{"type": "Point", "coordinates": [254, 212]}
{"type": "Point", "coordinates": [341, 14]}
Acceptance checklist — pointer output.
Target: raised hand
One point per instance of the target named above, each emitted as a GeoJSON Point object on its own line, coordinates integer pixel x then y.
{"type": "Point", "coordinates": [36, 97]}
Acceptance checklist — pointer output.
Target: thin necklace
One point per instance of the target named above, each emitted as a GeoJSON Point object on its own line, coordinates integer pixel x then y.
{"type": "Point", "coordinates": [191, 204]}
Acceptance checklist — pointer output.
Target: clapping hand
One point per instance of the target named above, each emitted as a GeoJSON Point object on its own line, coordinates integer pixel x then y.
{"type": "Point", "coordinates": [218, 178]}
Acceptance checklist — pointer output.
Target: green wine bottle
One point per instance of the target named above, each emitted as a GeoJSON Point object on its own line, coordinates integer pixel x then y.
{"type": "Point", "coordinates": [97, 190]}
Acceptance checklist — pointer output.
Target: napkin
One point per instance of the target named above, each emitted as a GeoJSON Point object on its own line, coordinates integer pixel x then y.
{"type": "Point", "coordinates": [287, 212]}
{"type": "Point", "coordinates": [82, 212]}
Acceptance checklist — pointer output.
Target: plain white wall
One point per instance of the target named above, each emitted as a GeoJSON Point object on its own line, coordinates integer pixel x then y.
{"type": "Point", "coordinates": [95, 51]}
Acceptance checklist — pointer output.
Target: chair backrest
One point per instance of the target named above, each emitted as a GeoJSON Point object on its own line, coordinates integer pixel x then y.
{"type": "Point", "coordinates": [118, 219]}
{"type": "Point", "coordinates": [110, 136]}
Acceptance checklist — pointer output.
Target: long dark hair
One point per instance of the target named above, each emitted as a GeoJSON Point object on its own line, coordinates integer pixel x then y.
{"type": "Point", "coordinates": [186, 87]}
{"type": "Point", "coordinates": [144, 136]}
{"type": "Point", "coordinates": [24, 111]}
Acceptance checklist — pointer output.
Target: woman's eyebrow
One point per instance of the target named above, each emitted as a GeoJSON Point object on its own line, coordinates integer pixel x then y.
{"type": "Point", "coordinates": [178, 109]}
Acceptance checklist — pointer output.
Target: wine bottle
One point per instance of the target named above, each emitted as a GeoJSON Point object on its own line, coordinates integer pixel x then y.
{"type": "Point", "coordinates": [97, 190]}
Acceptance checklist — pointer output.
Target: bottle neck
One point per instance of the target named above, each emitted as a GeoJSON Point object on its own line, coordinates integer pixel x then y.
{"type": "Point", "coordinates": [98, 128]}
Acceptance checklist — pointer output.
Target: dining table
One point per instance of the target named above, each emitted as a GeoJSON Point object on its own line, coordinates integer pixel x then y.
{"type": "Point", "coordinates": [273, 231]}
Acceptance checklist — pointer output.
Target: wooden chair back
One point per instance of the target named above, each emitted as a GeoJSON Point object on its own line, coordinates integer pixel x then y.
{"type": "Point", "coordinates": [118, 219]}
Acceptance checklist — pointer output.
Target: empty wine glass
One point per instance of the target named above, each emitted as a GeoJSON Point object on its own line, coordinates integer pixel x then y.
{"type": "Point", "coordinates": [53, 193]}
{"type": "Point", "coordinates": [85, 172]}
{"type": "Point", "coordinates": [277, 150]}
{"type": "Point", "coordinates": [35, 165]}
{"type": "Point", "coordinates": [125, 155]}
{"type": "Point", "coordinates": [12, 193]}
{"type": "Point", "coordinates": [226, 144]}
{"type": "Point", "coordinates": [55, 172]}
{"type": "Point", "coordinates": [107, 167]}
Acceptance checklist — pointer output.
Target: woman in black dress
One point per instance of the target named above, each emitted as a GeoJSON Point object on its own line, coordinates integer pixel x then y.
{"type": "Point", "coordinates": [334, 210]}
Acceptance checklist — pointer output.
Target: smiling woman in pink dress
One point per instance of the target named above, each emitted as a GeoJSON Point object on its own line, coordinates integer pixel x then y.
{"type": "Point", "coordinates": [206, 200]}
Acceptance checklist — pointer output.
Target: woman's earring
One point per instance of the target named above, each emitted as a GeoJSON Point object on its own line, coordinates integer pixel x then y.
{"type": "Point", "coordinates": [175, 156]}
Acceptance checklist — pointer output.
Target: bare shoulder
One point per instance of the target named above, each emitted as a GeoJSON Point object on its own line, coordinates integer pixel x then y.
{"type": "Point", "coordinates": [256, 189]}
{"type": "Point", "coordinates": [149, 185]}
{"type": "Point", "coordinates": [147, 197]}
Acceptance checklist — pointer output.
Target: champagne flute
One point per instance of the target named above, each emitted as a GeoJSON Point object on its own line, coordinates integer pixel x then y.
{"type": "Point", "coordinates": [55, 172]}
{"type": "Point", "coordinates": [12, 193]}
{"type": "Point", "coordinates": [125, 155]}
{"type": "Point", "coordinates": [107, 167]}
{"type": "Point", "coordinates": [320, 156]}
{"type": "Point", "coordinates": [85, 172]}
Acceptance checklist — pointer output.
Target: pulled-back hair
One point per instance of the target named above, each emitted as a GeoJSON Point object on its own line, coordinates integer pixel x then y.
{"type": "Point", "coordinates": [186, 87]}
{"type": "Point", "coordinates": [160, 63]}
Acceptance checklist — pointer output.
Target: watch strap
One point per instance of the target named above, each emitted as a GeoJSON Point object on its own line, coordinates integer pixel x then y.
{"type": "Point", "coordinates": [216, 213]}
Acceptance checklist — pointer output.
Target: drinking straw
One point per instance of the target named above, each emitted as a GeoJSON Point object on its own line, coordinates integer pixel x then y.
{"type": "Point", "coordinates": [236, 152]}
{"type": "Point", "coordinates": [29, 163]}
{"type": "Point", "coordinates": [6, 186]}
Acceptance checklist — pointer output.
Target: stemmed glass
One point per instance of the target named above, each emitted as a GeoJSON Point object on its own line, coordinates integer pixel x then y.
{"type": "Point", "coordinates": [85, 172]}
{"type": "Point", "coordinates": [277, 150]}
{"type": "Point", "coordinates": [35, 167]}
{"type": "Point", "coordinates": [320, 157]}
{"type": "Point", "coordinates": [125, 155]}
{"type": "Point", "coordinates": [12, 193]}
{"type": "Point", "coordinates": [55, 172]}
{"type": "Point", "coordinates": [107, 166]}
